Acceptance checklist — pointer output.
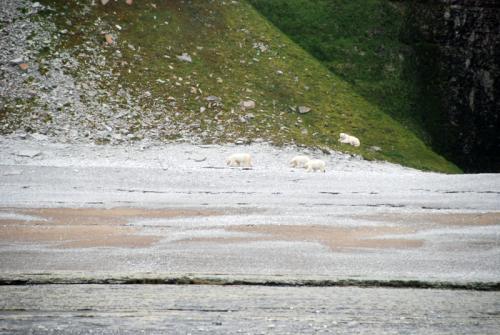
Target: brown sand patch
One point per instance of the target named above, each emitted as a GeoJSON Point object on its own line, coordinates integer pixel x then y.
{"type": "Point", "coordinates": [436, 219]}
{"type": "Point", "coordinates": [336, 238]}
{"type": "Point", "coordinates": [76, 236]}
{"type": "Point", "coordinates": [85, 227]}
{"type": "Point", "coordinates": [89, 216]}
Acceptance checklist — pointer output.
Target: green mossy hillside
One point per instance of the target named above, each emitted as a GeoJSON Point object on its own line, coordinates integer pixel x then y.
{"type": "Point", "coordinates": [237, 55]}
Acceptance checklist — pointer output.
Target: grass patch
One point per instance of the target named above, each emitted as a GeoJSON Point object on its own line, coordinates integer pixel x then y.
{"type": "Point", "coordinates": [236, 55]}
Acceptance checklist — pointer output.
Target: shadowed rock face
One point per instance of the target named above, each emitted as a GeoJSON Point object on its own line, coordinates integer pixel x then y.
{"type": "Point", "coordinates": [458, 55]}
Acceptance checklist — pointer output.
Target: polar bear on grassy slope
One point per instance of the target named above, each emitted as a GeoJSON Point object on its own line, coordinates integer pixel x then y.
{"type": "Point", "coordinates": [314, 165]}
{"type": "Point", "coordinates": [240, 159]}
{"type": "Point", "coordinates": [348, 139]}
{"type": "Point", "coordinates": [299, 161]}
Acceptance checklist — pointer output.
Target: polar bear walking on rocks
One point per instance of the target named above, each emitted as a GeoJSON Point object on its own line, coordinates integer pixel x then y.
{"type": "Point", "coordinates": [348, 139]}
{"type": "Point", "coordinates": [299, 161]}
{"type": "Point", "coordinates": [314, 165]}
{"type": "Point", "coordinates": [241, 159]}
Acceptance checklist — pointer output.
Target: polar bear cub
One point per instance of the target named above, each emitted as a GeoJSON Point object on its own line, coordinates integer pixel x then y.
{"type": "Point", "coordinates": [299, 161]}
{"type": "Point", "coordinates": [348, 139]}
{"type": "Point", "coordinates": [315, 165]}
{"type": "Point", "coordinates": [240, 159]}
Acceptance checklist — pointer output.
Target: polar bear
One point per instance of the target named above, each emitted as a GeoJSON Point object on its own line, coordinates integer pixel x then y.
{"type": "Point", "coordinates": [240, 159]}
{"type": "Point", "coordinates": [348, 139]}
{"type": "Point", "coordinates": [315, 165]}
{"type": "Point", "coordinates": [299, 161]}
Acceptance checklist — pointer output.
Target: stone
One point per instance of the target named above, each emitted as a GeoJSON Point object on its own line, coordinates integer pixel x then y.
{"type": "Point", "coordinates": [303, 109]}
{"type": "Point", "coordinates": [213, 98]}
{"type": "Point", "coordinates": [247, 104]}
{"type": "Point", "coordinates": [375, 148]}
{"type": "Point", "coordinates": [17, 61]}
{"type": "Point", "coordinates": [104, 2]}
{"type": "Point", "coordinates": [109, 38]}
{"type": "Point", "coordinates": [28, 153]}
{"type": "Point", "coordinates": [199, 159]}
{"type": "Point", "coordinates": [185, 58]}
{"type": "Point", "coordinates": [23, 66]}
{"type": "Point", "coordinates": [129, 2]}
{"type": "Point", "coordinates": [13, 173]}
{"type": "Point", "coordinates": [464, 38]}
{"type": "Point", "coordinates": [39, 137]}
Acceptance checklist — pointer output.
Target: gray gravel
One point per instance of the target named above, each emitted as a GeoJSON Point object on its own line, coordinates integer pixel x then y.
{"type": "Point", "coordinates": [178, 176]}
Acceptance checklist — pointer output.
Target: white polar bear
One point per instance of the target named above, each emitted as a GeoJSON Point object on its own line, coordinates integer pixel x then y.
{"type": "Point", "coordinates": [299, 161]}
{"type": "Point", "coordinates": [240, 159]}
{"type": "Point", "coordinates": [315, 165]}
{"type": "Point", "coordinates": [348, 139]}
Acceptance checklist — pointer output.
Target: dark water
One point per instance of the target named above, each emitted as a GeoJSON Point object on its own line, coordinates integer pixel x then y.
{"type": "Point", "coordinates": [191, 309]}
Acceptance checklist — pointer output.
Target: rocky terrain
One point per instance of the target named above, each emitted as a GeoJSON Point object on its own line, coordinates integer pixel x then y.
{"type": "Point", "coordinates": [457, 44]}
{"type": "Point", "coordinates": [207, 248]}
{"type": "Point", "coordinates": [63, 106]}
{"type": "Point", "coordinates": [83, 72]}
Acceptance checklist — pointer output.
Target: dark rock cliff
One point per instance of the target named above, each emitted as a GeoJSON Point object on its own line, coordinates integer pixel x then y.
{"type": "Point", "coordinates": [457, 43]}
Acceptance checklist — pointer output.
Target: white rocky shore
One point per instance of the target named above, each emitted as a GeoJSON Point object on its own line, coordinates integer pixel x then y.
{"type": "Point", "coordinates": [445, 227]}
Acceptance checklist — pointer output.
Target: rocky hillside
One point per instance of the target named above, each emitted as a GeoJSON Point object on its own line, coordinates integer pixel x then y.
{"type": "Point", "coordinates": [457, 44]}
{"type": "Point", "coordinates": [431, 65]}
{"type": "Point", "coordinates": [197, 71]}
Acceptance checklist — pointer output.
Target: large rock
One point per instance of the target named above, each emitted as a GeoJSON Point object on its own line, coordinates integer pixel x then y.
{"type": "Point", "coordinates": [457, 44]}
{"type": "Point", "coordinates": [247, 104]}
{"type": "Point", "coordinates": [303, 109]}
{"type": "Point", "coordinates": [185, 58]}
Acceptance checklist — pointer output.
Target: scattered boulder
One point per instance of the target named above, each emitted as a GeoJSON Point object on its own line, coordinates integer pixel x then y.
{"type": "Point", "coordinates": [247, 104]}
{"type": "Point", "coordinates": [303, 109]}
{"type": "Point", "coordinates": [109, 38]}
{"type": "Point", "coordinates": [28, 153]}
{"type": "Point", "coordinates": [213, 98]}
{"type": "Point", "coordinates": [17, 61]}
{"type": "Point", "coordinates": [199, 159]}
{"type": "Point", "coordinates": [185, 58]}
{"type": "Point", "coordinates": [39, 137]}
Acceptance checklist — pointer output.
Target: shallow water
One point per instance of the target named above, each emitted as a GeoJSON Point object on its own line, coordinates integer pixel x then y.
{"type": "Point", "coordinates": [192, 309]}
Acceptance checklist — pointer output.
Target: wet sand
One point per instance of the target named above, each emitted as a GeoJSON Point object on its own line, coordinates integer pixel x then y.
{"type": "Point", "coordinates": [335, 238]}
{"type": "Point", "coordinates": [436, 219]}
{"type": "Point", "coordinates": [84, 227]}
{"type": "Point", "coordinates": [94, 227]}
